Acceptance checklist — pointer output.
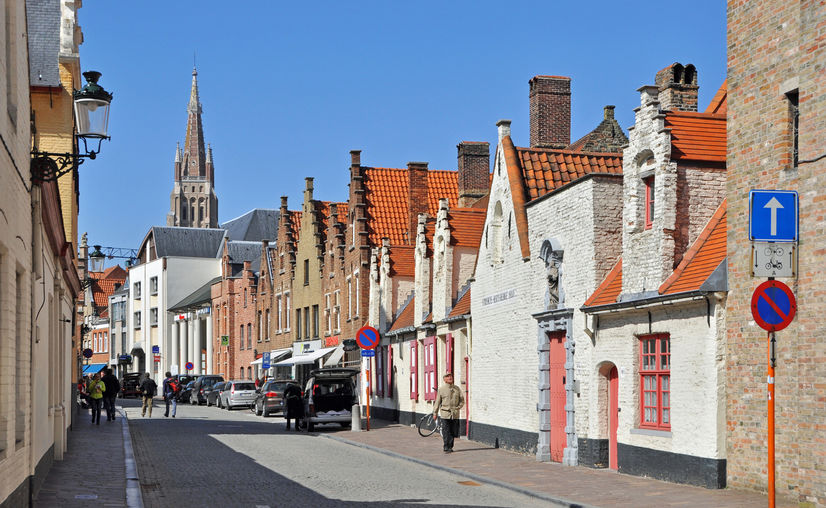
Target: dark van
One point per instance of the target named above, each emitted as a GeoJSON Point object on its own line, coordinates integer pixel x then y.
{"type": "Point", "coordinates": [329, 397]}
{"type": "Point", "coordinates": [203, 385]}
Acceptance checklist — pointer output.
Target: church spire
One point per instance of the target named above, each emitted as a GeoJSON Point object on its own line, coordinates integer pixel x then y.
{"type": "Point", "coordinates": [194, 154]}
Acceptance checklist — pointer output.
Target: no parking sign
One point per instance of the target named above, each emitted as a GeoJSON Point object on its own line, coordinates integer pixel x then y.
{"type": "Point", "coordinates": [773, 305]}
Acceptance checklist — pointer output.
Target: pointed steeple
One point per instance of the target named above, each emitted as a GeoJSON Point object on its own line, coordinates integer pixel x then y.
{"type": "Point", "coordinates": [178, 155]}
{"type": "Point", "coordinates": [194, 153]}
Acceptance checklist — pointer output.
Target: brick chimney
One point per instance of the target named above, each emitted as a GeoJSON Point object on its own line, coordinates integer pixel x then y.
{"type": "Point", "coordinates": [416, 196]}
{"type": "Point", "coordinates": [474, 171]}
{"type": "Point", "coordinates": [678, 87]}
{"type": "Point", "coordinates": [550, 103]}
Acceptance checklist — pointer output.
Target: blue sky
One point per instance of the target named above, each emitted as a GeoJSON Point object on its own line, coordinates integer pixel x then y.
{"type": "Point", "coordinates": [289, 88]}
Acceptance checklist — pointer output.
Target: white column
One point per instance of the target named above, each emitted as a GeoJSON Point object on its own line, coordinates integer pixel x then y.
{"type": "Point", "coordinates": [209, 344]}
{"type": "Point", "coordinates": [173, 348]}
{"type": "Point", "coordinates": [191, 348]}
{"type": "Point", "coordinates": [198, 345]}
{"type": "Point", "coordinates": [181, 345]}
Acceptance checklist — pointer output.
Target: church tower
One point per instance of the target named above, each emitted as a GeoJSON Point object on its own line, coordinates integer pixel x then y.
{"type": "Point", "coordinates": [193, 202]}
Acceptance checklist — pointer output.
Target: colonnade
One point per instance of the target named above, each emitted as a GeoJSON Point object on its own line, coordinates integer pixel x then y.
{"type": "Point", "coordinates": [189, 336]}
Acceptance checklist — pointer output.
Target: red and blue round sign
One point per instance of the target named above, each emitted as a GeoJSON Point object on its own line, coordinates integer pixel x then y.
{"type": "Point", "coordinates": [773, 305]}
{"type": "Point", "coordinates": [189, 366]}
{"type": "Point", "coordinates": [367, 337]}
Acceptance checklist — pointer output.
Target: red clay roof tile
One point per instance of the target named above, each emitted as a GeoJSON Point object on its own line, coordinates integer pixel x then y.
{"type": "Point", "coordinates": [697, 136]}
{"type": "Point", "coordinates": [466, 226]}
{"type": "Point", "coordinates": [545, 169]}
{"type": "Point", "coordinates": [405, 319]}
{"type": "Point", "coordinates": [462, 307]}
{"type": "Point", "coordinates": [719, 104]}
{"type": "Point", "coordinates": [610, 288]}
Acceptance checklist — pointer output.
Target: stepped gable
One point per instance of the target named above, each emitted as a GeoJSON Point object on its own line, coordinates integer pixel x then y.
{"type": "Point", "coordinates": [386, 196]}
{"type": "Point", "coordinates": [607, 137]}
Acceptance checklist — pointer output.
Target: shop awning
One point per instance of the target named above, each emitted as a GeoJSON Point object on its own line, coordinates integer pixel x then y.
{"type": "Point", "coordinates": [306, 358]}
{"type": "Point", "coordinates": [93, 368]}
{"type": "Point", "coordinates": [336, 357]}
{"type": "Point", "coordinates": [275, 355]}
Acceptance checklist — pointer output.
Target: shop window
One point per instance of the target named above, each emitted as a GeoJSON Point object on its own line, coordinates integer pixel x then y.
{"type": "Point", "coordinates": [430, 381]}
{"type": "Point", "coordinates": [655, 381]}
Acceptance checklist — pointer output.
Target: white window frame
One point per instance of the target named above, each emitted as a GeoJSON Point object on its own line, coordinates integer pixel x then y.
{"type": "Point", "coordinates": [278, 314]}
{"type": "Point", "coordinates": [136, 290]}
{"type": "Point", "coordinates": [153, 316]}
{"type": "Point", "coordinates": [136, 320]}
{"type": "Point", "coordinates": [337, 309]}
{"type": "Point", "coordinates": [153, 285]}
{"type": "Point", "coordinates": [349, 298]}
{"type": "Point", "coordinates": [288, 311]}
{"type": "Point", "coordinates": [328, 313]}
{"type": "Point", "coordinates": [358, 294]}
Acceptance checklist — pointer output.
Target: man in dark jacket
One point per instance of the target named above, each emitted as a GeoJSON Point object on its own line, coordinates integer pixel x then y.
{"type": "Point", "coordinates": [295, 406]}
{"type": "Point", "coordinates": [112, 389]}
{"type": "Point", "coordinates": [148, 388]}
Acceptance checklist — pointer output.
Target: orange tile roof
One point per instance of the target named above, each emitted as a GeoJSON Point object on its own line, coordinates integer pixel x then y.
{"type": "Point", "coordinates": [702, 258]}
{"type": "Point", "coordinates": [402, 261]}
{"type": "Point", "coordinates": [610, 288]}
{"type": "Point", "coordinates": [295, 222]}
{"type": "Point", "coordinates": [545, 170]}
{"type": "Point", "coordinates": [386, 193]}
{"type": "Point", "coordinates": [405, 319]}
{"type": "Point", "coordinates": [324, 210]}
{"type": "Point", "coordinates": [103, 287]}
{"type": "Point", "coordinates": [466, 226]}
{"type": "Point", "coordinates": [719, 104]}
{"type": "Point", "coordinates": [697, 136]}
{"type": "Point", "coordinates": [462, 307]}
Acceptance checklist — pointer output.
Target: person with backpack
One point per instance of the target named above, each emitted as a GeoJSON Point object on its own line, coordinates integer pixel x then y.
{"type": "Point", "coordinates": [148, 389]}
{"type": "Point", "coordinates": [112, 389]}
{"type": "Point", "coordinates": [171, 388]}
{"type": "Point", "coordinates": [96, 389]}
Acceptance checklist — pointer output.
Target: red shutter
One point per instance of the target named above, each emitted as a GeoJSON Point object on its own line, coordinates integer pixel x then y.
{"type": "Point", "coordinates": [414, 369]}
{"type": "Point", "coordinates": [379, 373]}
{"type": "Point", "coordinates": [449, 353]}
{"type": "Point", "coordinates": [389, 367]}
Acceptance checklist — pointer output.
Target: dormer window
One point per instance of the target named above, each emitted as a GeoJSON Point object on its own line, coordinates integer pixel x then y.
{"type": "Point", "coordinates": [649, 201]}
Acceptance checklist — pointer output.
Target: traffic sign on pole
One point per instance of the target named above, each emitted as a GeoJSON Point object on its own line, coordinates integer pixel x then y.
{"type": "Point", "coordinates": [367, 337]}
{"type": "Point", "coordinates": [773, 215]}
{"type": "Point", "coordinates": [773, 305]}
{"type": "Point", "coordinates": [189, 366]}
{"type": "Point", "coordinates": [368, 353]}
{"type": "Point", "coordinates": [265, 360]}
{"type": "Point", "coordinates": [774, 259]}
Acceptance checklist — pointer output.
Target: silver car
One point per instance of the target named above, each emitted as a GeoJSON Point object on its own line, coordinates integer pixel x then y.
{"type": "Point", "coordinates": [238, 393]}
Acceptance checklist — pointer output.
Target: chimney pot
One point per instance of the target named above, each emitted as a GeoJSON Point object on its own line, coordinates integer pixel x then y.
{"type": "Point", "coordinates": [503, 128]}
{"type": "Point", "coordinates": [420, 166]}
{"type": "Point", "coordinates": [474, 171]}
{"type": "Point", "coordinates": [283, 201]}
{"type": "Point", "coordinates": [550, 111]}
{"type": "Point", "coordinates": [355, 157]}
{"type": "Point", "coordinates": [608, 112]}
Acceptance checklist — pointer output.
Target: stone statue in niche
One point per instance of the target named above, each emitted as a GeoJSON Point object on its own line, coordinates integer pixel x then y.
{"type": "Point", "coordinates": [554, 296]}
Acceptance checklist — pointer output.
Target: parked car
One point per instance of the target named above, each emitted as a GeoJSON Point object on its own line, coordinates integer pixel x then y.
{"type": "Point", "coordinates": [270, 398]}
{"type": "Point", "coordinates": [186, 390]}
{"type": "Point", "coordinates": [212, 397]}
{"type": "Point", "coordinates": [184, 379]}
{"type": "Point", "coordinates": [129, 385]}
{"type": "Point", "coordinates": [203, 385]}
{"type": "Point", "coordinates": [329, 397]}
{"type": "Point", "coordinates": [237, 393]}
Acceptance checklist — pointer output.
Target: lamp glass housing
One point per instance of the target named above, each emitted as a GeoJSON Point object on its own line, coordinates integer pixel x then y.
{"type": "Point", "coordinates": [96, 260]}
{"type": "Point", "coordinates": [92, 116]}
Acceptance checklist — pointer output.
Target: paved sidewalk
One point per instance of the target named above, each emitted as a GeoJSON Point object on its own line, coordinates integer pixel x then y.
{"type": "Point", "coordinates": [93, 471]}
{"type": "Point", "coordinates": [574, 486]}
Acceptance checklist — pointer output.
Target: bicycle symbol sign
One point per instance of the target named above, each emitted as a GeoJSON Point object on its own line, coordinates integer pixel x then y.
{"type": "Point", "coordinates": [774, 259]}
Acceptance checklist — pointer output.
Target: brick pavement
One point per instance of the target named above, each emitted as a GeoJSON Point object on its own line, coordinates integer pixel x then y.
{"type": "Point", "coordinates": [93, 470]}
{"type": "Point", "coordinates": [574, 485]}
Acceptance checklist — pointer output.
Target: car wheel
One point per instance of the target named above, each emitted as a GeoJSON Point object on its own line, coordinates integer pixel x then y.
{"type": "Point", "coordinates": [260, 411]}
{"type": "Point", "coordinates": [265, 412]}
{"type": "Point", "coordinates": [208, 402]}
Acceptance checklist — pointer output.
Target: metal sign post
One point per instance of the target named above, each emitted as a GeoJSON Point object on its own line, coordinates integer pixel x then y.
{"type": "Point", "coordinates": [770, 384]}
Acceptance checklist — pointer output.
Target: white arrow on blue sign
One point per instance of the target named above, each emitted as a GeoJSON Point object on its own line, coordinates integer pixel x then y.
{"type": "Point", "coordinates": [773, 216]}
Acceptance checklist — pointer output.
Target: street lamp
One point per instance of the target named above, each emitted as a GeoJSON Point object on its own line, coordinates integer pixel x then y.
{"type": "Point", "coordinates": [91, 108]}
{"type": "Point", "coordinates": [96, 260]}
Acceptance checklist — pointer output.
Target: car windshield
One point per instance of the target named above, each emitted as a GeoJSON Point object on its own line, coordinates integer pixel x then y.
{"type": "Point", "coordinates": [278, 387]}
{"type": "Point", "coordinates": [218, 386]}
{"type": "Point", "coordinates": [208, 382]}
{"type": "Point", "coordinates": [245, 386]}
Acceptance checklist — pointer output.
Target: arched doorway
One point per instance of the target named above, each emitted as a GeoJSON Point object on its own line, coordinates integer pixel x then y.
{"type": "Point", "coordinates": [609, 400]}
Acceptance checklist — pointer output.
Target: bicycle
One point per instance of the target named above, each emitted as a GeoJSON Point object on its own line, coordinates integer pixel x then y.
{"type": "Point", "coordinates": [428, 425]}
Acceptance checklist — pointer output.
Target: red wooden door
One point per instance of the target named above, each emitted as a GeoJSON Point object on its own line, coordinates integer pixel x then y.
{"type": "Point", "coordinates": [613, 417]}
{"type": "Point", "coordinates": [557, 395]}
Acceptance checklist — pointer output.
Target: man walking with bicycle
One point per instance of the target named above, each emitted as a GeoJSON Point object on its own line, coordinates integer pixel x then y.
{"type": "Point", "coordinates": [449, 400]}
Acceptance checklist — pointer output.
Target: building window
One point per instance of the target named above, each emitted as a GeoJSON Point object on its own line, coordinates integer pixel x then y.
{"type": "Point", "coordinates": [306, 272]}
{"type": "Point", "coordinates": [298, 324]}
{"type": "Point", "coordinates": [328, 314]}
{"type": "Point", "coordinates": [357, 300]}
{"type": "Point", "coordinates": [430, 383]}
{"type": "Point", "coordinates": [649, 201]}
{"type": "Point", "coordinates": [307, 322]}
{"type": "Point", "coordinates": [315, 320]}
{"type": "Point", "coordinates": [241, 339]}
{"type": "Point", "coordinates": [379, 371]}
{"type": "Point", "coordinates": [245, 297]}
{"type": "Point", "coordinates": [267, 336]}
{"type": "Point", "coordinates": [105, 342]}
{"type": "Point", "coordinates": [249, 373]}
{"type": "Point", "coordinates": [655, 381]}
{"type": "Point", "coordinates": [136, 290]}
{"type": "Point", "coordinates": [260, 328]}
{"type": "Point", "coordinates": [794, 113]}
{"type": "Point", "coordinates": [249, 335]}
{"type": "Point", "coordinates": [349, 298]}
{"type": "Point", "coordinates": [414, 369]}
{"type": "Point", "coordinates": [137, 320]}
{"type": "Point", "coordinates": [153, 285]}
{"type": "Point", "coordinates": [496, 248]}
{"type": "Point", "coordinates": [337, 310]}
{"type": "Point", "coordinates": [278, 312]}
{"type": "Point", "coordinates": [153, 316]}
{"type": "Point", "coordinates": [287, 313]}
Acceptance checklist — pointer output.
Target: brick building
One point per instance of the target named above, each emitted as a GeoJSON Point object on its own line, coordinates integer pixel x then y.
{"type": "Point", "coordinates": [776, 126]}
{"type": "Point", "coordinates": [652, 397]}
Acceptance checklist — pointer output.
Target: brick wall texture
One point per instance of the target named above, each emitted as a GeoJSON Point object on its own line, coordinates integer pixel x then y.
{"type": "Point", "coordinates": [775, 48]}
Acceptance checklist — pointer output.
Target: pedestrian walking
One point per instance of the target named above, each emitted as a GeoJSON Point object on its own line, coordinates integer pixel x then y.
{"type": "Point", "coordinates": [112, 389]}
{"type": "Point", "coordinates": [96, 389]}
{"type": "Point", "coordinates": [171, 387]}
{"type": "Point", "coordinates": [148, 389]}
{"type": "Point", "coordinates": [449, 400]}
{"type": "Point", "coordinates": [295, 406]}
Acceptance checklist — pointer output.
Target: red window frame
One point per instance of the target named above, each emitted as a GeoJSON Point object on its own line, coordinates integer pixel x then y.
{"type": "Point", "coordinates": [649, 201]}
{"type": "Point", "coordinates": [655, 381]}
{"type": "Point", "coordinates": [430, 382]}
{"type": "Point", "coordinates": [449, 354]}
{"type": "Point", "coordinates": [414, 370]}
{"type": "Point", "coordinates": [379, 372]}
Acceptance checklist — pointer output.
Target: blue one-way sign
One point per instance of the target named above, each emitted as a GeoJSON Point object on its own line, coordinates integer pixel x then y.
{"type": "Point", "coordinates": [773, 216]}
